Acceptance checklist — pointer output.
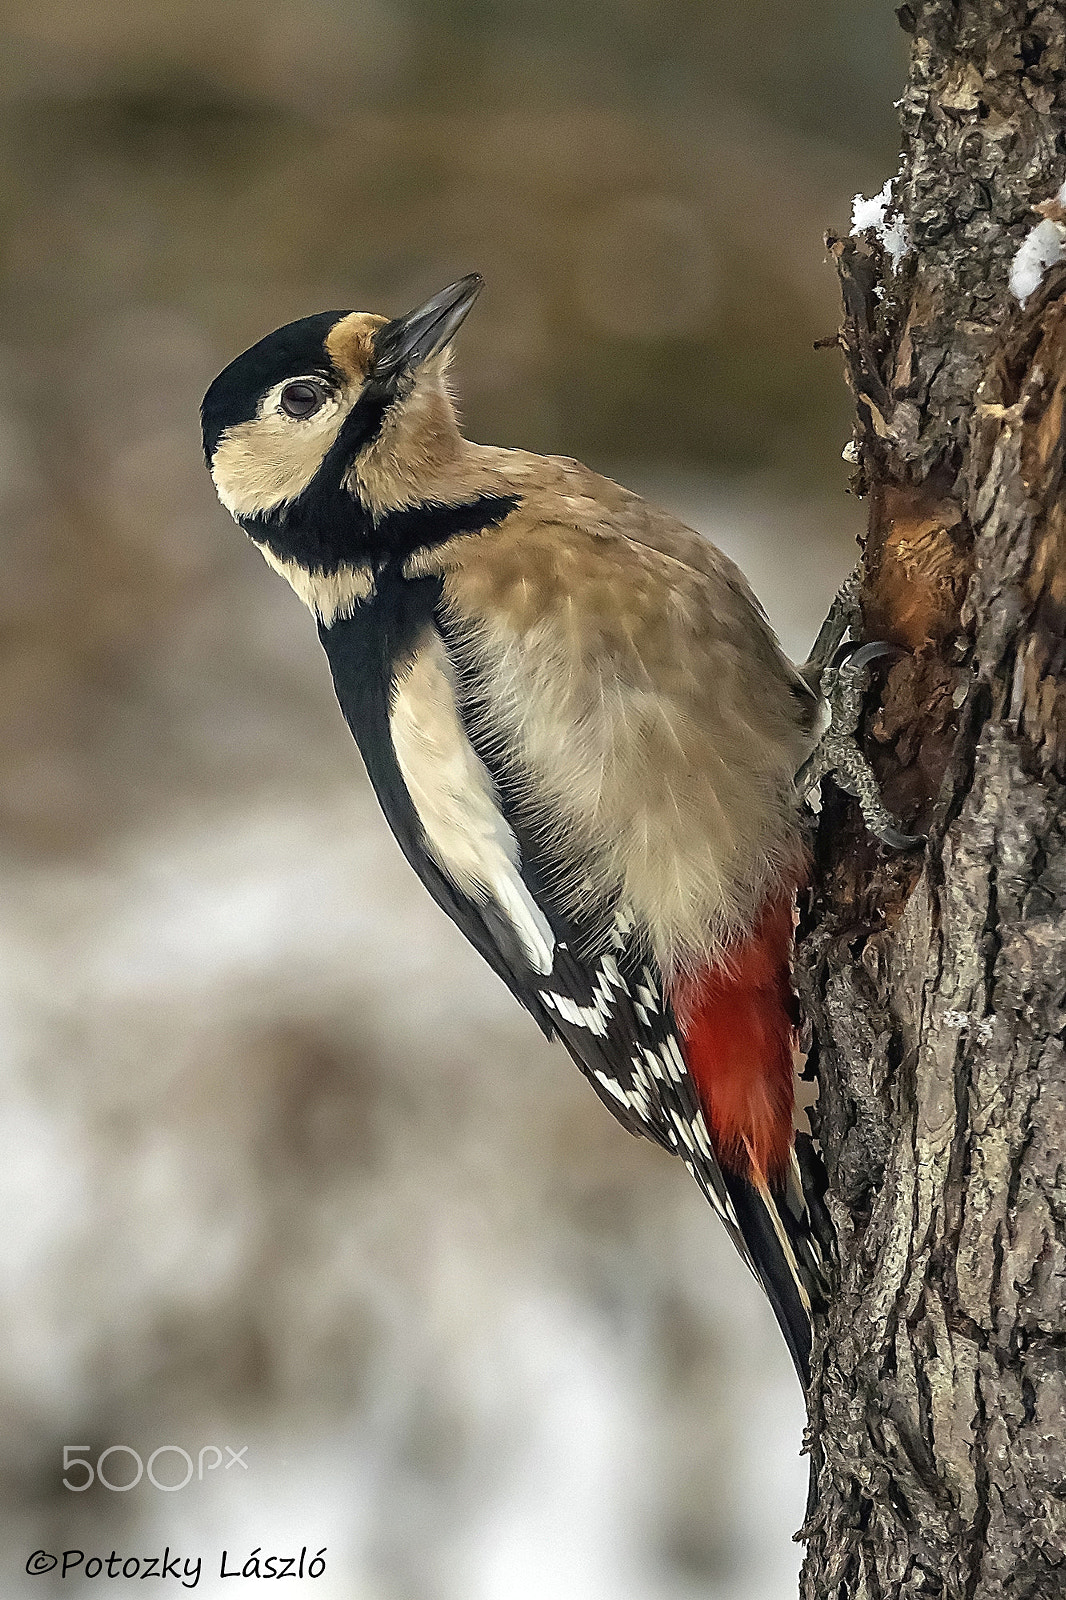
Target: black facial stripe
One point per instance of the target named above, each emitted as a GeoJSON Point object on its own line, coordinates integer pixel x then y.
{"type": "Point", "coordinates": [327, 527]}
{"type": "Point", "coordinates": [360, 427]}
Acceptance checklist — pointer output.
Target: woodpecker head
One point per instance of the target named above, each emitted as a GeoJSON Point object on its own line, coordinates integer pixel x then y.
{"type": "Point", "coordinates": [329, 423]}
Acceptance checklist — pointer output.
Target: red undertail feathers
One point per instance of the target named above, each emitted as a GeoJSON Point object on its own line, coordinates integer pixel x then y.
{"type": "Point", "coordinates": [738, 1023]}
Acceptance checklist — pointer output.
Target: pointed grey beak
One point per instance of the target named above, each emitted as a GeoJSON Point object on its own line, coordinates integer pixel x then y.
{"type": "Point", "coordinates": [408, 341]}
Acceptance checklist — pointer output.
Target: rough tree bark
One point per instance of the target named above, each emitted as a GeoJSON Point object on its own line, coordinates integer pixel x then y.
{"type": "Point", "coordinates": [935, 982]}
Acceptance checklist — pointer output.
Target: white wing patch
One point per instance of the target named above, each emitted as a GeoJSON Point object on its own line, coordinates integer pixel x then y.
{"type": "Point", "coordinates": [455, 799]}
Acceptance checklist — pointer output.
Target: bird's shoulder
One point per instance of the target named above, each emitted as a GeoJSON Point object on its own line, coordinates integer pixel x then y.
{"type": "Point", "coordinates": [576, 538]}
{"type": "Point", "coordinates": [561, 494]}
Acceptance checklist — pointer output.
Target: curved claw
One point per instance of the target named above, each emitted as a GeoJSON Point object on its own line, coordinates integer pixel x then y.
{"type": "Point", "coordinates": [811, 772]}
{"type": "Point", "coordinates": [856, 657]}
{"type": "Point", "coordinates": [897, 840]}
{"type": "Point", "coordinates": [850, 771]}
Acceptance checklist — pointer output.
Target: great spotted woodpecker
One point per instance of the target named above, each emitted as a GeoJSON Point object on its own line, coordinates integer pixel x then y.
{"type": "Point", "coordinates": [580, 728]}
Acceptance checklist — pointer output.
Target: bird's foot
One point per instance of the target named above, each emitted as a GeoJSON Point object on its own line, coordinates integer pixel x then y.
{"type": "Point", "coordinates": [843, 681]}
{"type": "Point", "coordinates": [845, 616]}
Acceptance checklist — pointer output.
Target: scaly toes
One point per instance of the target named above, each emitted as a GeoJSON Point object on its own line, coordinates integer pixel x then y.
{"type": "Point", "coordinates": [837, 755]}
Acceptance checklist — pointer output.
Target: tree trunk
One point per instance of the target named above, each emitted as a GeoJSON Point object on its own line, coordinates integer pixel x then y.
{"type": "Point", "coordinates": [935, 982]}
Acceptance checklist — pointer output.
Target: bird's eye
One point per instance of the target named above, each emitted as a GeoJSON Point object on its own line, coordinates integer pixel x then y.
{"type": "Point", "coordinates": [301, 399]}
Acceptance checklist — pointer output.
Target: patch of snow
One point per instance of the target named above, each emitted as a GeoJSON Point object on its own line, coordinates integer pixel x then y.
{"type": "Point", "coordinates": [867, 215]}
{"type": "Point", "coordinates": [1043, 247]}
{"type": "Point", "coordinates": [870, 213]}
{"type": "Point", "coordinates": [894, 238]}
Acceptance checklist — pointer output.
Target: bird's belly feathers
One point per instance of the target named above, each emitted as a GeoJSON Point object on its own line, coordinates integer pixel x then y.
{"type": "Point", "coordinates": [652, 765]}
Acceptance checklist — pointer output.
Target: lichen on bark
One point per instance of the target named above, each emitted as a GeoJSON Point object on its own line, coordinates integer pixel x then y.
{"type": "Point", "coordinates": [935, 983]}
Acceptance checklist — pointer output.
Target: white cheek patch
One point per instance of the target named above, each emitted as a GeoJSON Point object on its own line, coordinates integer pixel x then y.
{"type": "Point", "coordinates": [454, 798]}
{"type": "Point", "coordinates": [271, 459]}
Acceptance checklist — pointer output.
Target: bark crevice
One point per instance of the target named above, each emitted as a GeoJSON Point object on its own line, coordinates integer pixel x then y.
{"type": "Point", "coordinates": [935, 983]}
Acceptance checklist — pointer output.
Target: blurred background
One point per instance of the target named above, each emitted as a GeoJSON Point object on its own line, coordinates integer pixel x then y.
{"type": "Point", "coordinates": [283, 1166]}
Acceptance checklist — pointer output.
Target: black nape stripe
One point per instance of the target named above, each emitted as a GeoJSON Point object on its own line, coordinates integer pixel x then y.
{"type": "Point", "coordinates": [327, 527]}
